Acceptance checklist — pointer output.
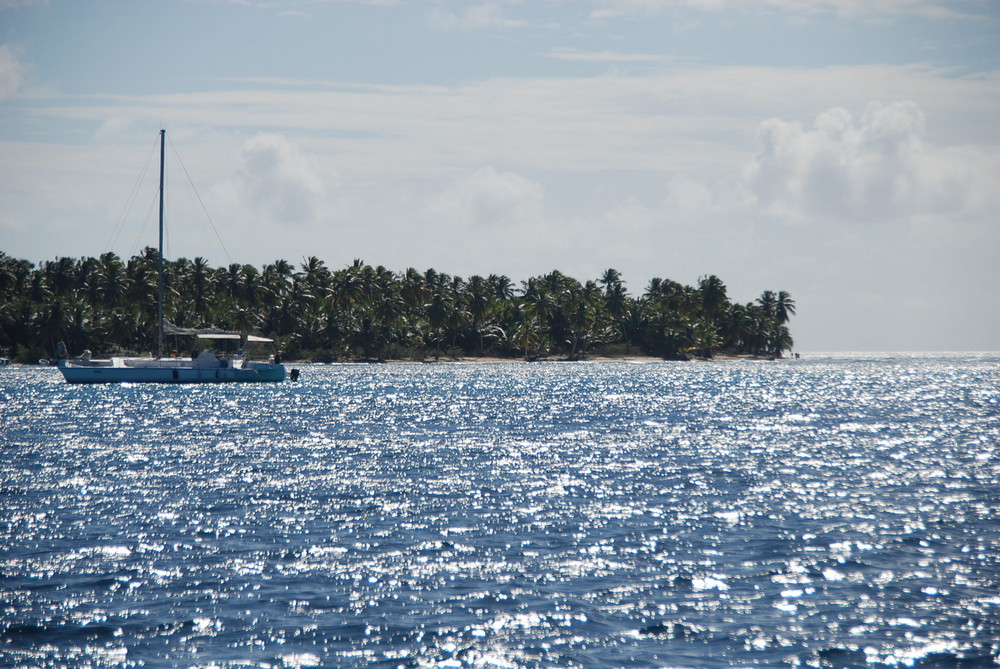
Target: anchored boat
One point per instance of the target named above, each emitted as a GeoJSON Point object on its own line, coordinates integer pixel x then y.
{"type": "Point", "coordinates": [219, 357]}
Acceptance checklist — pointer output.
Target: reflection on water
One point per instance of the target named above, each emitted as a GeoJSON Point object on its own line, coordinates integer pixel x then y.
{"type": "Point", "coordinates": [826, 512]}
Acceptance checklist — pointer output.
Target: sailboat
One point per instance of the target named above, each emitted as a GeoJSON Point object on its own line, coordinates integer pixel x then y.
{"type": "Point", "coordinates": [227, 357]}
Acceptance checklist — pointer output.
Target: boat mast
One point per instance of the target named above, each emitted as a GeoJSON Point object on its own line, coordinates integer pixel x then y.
{"type": "Point", "coordinates": [159, 286]}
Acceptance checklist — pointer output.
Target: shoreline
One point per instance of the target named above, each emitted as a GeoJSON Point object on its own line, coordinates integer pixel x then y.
{"type": "Point", "coordinates": [631, 359]}
{"type": "Point", "coordinates": [486, 360]}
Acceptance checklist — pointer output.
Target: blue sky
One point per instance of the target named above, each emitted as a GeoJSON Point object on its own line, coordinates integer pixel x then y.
{"type": "Point", "coordinates": [847, 151]}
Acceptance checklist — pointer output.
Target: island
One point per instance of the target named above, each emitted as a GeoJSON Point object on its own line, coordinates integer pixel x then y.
{"type": "Point", "coordinates": [102, 305]}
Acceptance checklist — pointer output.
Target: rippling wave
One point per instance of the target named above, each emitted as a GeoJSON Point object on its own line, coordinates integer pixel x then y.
{"type": "Point", "coordinates": [826, 512]}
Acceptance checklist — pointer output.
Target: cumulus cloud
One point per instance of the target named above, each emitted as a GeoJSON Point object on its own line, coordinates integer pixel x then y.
{"type": "Point", "coordinates": [875, 166]}
{"type": "Point", "coordinates": [489, 197]}
{"type": "Point", "coordinates": [277, 179]}
{"type": "Point", "coordinates": [11, 71]}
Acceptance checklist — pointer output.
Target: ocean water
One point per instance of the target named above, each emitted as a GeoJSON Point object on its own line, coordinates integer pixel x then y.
{"type": "Point", "coordinates": [833, 511]}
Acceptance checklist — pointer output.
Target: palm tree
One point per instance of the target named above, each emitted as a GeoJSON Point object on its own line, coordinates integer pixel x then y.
{"type": "Point", "coordinates": [736, 328]}
{"type": "Point", "coordinates": [49, 324]}
{"type": "Point", "coordinates": [706, 339]}
{"type": "Point", "coordinates": [667, 334]}
{"type": "Point", "coordinates": [276, 279]}
{"type": "Point", "coordinates": [526, 335]}
{"type": "Point", "coordinates": [768, 303]}
{"type": "Point", "coordinates": [654, 289]}
{"type": "Point", "coordinates": [316, 275]}
{"type": "Point", "coordinates": [88, 284]}
{"type": "Point", "coordinates": [438, 309]}
{"type": "Point", "coordinates": [112, 279]}
{"type": "Point", "coordinates": [14, 277]}
{"type": "Point", "coordinates": [197, 284]}
{"type": "Point", "coordinates": [538, 305]}
{"type": "Point", "coordinates": [501, 287]}
{"type": "Point", "coordinates": [633, 322]}
{"type": "Point", "coordinates": [610, 278]}
{"type": "Point", "coordinates": [59, 275]}
{"type": "Point", "coordinates": [6, 274]}
{"type": "Point", "coordinates": [250, 290]}
{"type": "Point", "coordinates": [784, 307]}
{"type": "Point", "coordinates": [713, 295]}
{"type": "Point", "coordinates": [141, 279]}
{"type": "Point", "coordinates": [479, 305]}
{"type": "Point", "coordinates": [780, 340]}
{"type": "Point", "coordinates": [582, 322]}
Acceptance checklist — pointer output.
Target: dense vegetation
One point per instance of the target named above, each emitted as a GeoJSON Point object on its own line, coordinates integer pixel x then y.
{"type": "Point", "coordinates": [370, 313]}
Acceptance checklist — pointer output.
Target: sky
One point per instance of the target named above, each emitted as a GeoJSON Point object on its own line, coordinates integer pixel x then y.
{"type": "Point", "coordinates": [845, 151]}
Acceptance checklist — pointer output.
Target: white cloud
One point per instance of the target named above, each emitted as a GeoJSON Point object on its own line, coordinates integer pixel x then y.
{"type": "Point", "coordinates": [605, 56]}
{"type": "Point", "coordinates": [491, 198]}
{"type": "Point", "coordinates": [11, 71]}
{"type": "Point", "coordinates": [689, 121]}
{"type": "Point", "coordinates": [868, 168]}
{"type": "Point", "coordinates": [693, 200]}
{"type": "Point", "coordinates": [686, 204]}
{"type": "Point", "coordinates": [276, 181]}
{"type": "Point", "coordinates": [18, 4]}
{"type": "Point", "coordinates": [865, 9]}
{"type": "Point", "coordinates": [476, 17]}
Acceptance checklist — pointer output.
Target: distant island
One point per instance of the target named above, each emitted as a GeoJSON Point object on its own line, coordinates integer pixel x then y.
{"type": "Point", "coordinates": [108, 306]}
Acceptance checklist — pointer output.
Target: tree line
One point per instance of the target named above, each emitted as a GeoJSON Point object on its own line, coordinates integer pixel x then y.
{"type": "Point", "coordinates": [108, 306]}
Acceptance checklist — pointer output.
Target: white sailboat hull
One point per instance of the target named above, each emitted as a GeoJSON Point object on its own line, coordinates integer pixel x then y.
{"type": "Point", "coordinates": [170, 370]}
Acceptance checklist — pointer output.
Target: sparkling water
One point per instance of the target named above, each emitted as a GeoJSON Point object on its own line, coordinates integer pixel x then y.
{"type": "Point", "coordinates": [833, 511]}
